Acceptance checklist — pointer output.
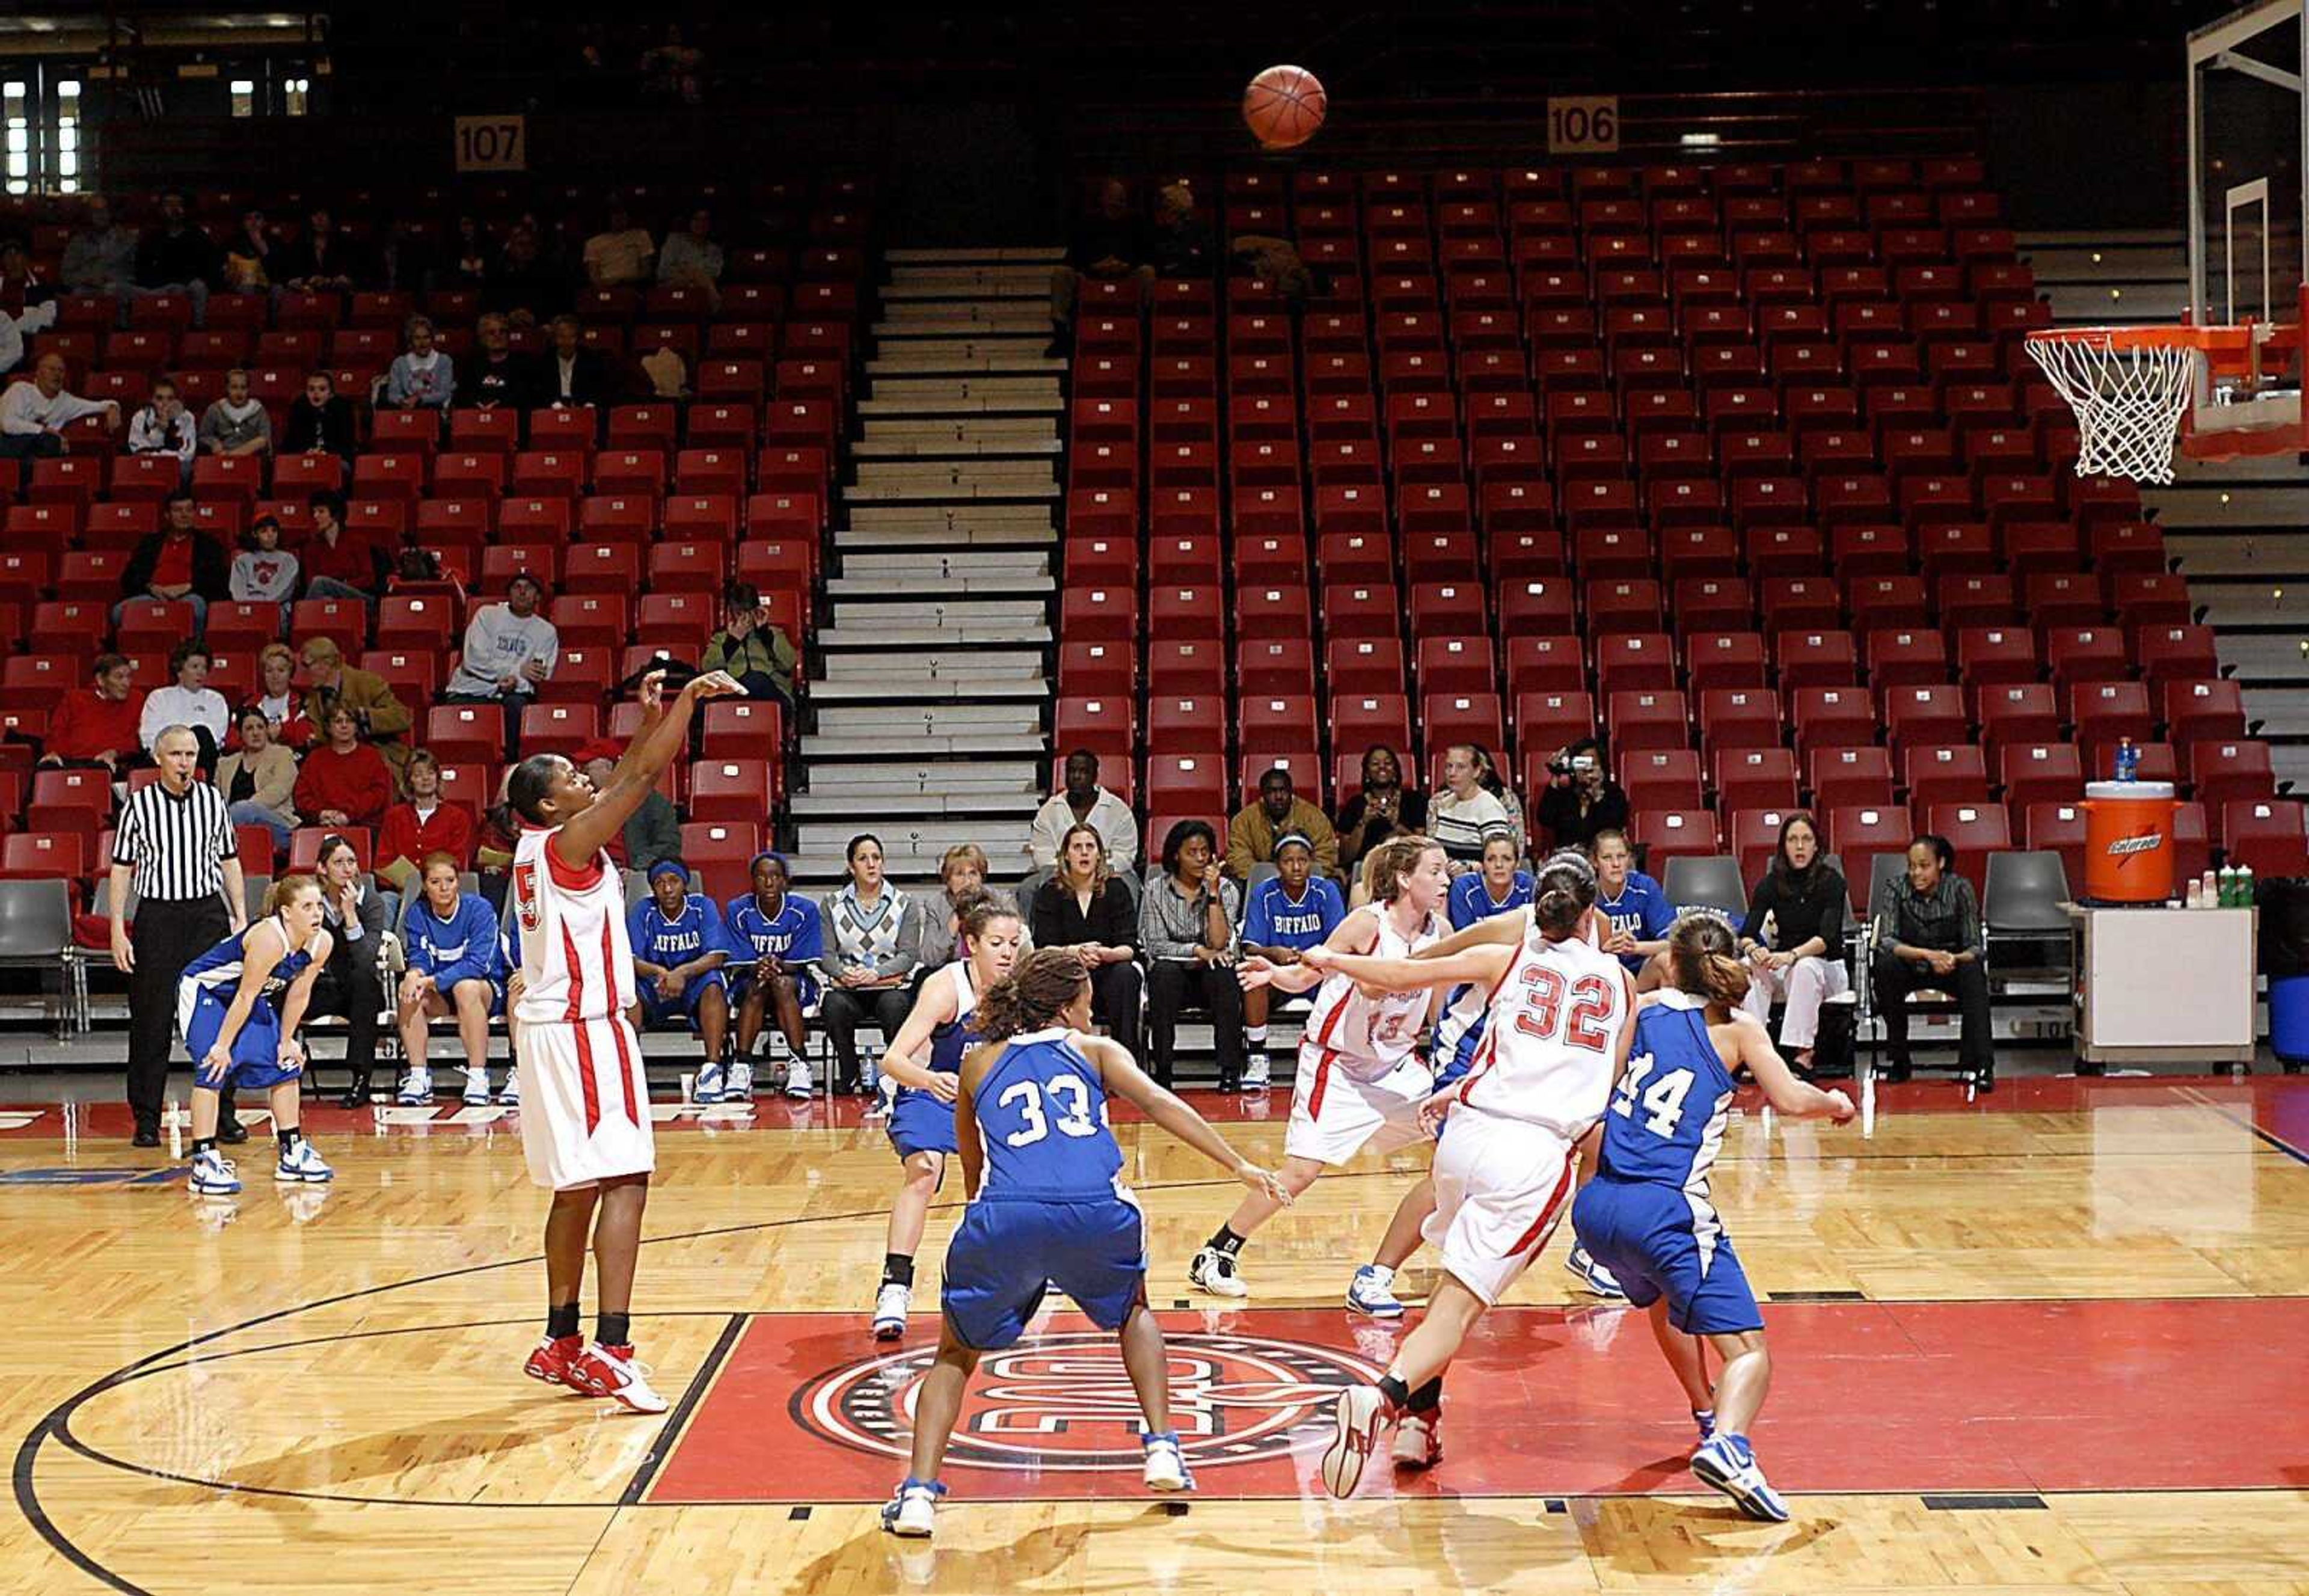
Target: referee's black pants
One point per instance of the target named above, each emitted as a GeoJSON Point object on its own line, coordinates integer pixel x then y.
{"type": "Point", "coordinates": [167, 936]}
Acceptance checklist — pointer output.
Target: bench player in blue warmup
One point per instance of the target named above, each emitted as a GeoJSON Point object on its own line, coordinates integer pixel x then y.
{"type": "Point", "coordinates": [924, 1059]}
{"type": "Point", "coordinates": [1499, 886]}
{"type": "Point", "coordinates": [1647, 1215]}
{"type": "Point", "coordinates": [239, 1005]}
{"type": "Point", "coordinates": [1047, 1208]}
{"type": "Point", "coordinates": [776, 942]}
{"type": "Point", "coordinates": [679, 947]}
{"type": "Point", "coordinates": [1288, 913]}
{"type": "Point", "coordinates": [451, 940]}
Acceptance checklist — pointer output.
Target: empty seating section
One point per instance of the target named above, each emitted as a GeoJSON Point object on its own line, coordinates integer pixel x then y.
{"type": "Point", "coordinates": [635, 514]}
{"type": "Point", "coordinates": [1744, 467]}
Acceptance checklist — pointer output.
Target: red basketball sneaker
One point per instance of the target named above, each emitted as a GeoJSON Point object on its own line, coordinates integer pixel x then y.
{"type": "Point", "coordinates": [551, 1359]}
{"type": "Point", "coordinates": [611, 1372]}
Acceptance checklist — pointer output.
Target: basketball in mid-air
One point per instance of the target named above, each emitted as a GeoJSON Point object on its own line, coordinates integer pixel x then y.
{"type": "Point", "coordinates": [1283, 106]}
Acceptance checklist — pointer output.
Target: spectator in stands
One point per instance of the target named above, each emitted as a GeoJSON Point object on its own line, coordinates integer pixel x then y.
{"type": "Point", "coordinates": [1186, 928]}
{"type": "Point", "coordinates": [421, 377]}
{"type": "Point", "coordinates": [349, 983]}
{"type": "Point", "coordinates": [1288, 913]}
{"type": "Point", "coordinates": [1183, 245]}
{"type": "Point", "coordinates": [691, 258]}
{"type": "Point", "coordinates": [21, 286]}
{"type": "Point", "coordinates": [571, 375]}
{"type": "Point", "coordinates": [236, 424]}
{"type": "Point", "coordinates": [501, 832]}
{"type": "Point", "coordinates": [339, 563]}
{"type": "Point", "coordinates": [100, 255]}
{"type": "Point", "coordinates": [344, 782]}
{"type": "Point", "coordinates": [249, 254]}
{"type": "Point", "coordinates": [1384, 808]}
{"type": "Point", "coordinates": [321, 423]}
{"type": "Point", "coordinates": [674, 70]}
{"type": "Point", "coordinates": [98, 724]}
{"type": "Point", "coordinates": [259, 782]}
{"type": "Point", "coordinates": [1487, 775]}
{"type": "Point", "coordinates": [264, 572]}
{"type": "Point", "coordinates": [1086, 908]}
{"type": "Point", "coordinates": [1929, 934]}
{"type": "Point", "coordinates": [653, 831]}
{"type": "Point", "coordinates": [1635, 907]}
{"type": "Point", "coordinates": [381, 718]}
{"type": "Point", "coordinates": [524, 284]}
{"type": "Point", "coordinates": [1793, 937]}
{"type": "Point", "coordinates": [509, 648]}
{"type": "Point", "coordinates": [403, 259]}
{"type": "Point", "coordinates": [178, 564]}
{"type": "Point", "coordinates": [1460, 816]}
{"type": "Point", "coordinates": [621, 253]}
{"type": "Point", "coordinates": [466, 253]}
{"type": "Point", "coordinates": [421, 824]}
{"type": "Point", "coordinates": [454, 968]}
{"type": "Point", "coordinates": [1280, 812]}
{"type": "Point", "coordinates": [1581, 799]}
{"type": "Point", "coordinates": [961, 873]}
{"type": "Point", "coordinates": [39, 318]}
{"type": "Point", "coordinates": [34, 415]}
{"type": "Point", "coordinates": [492, 373]}
{"type": "Point", "coordinates": [1498, 885]}
{"type": "Point", "coordinates": [165, 426]}
{"type": "Point", "coordinates": [751, 646]}
{"type": "Point", "coordinates": [783, 932]}
{"type": "Point", "coordinates": [177, 258]}
{"type": "Point", "coordinates": [1111, 241]}
{"type": "Point", "coordinates": [873, 941]}
{"type": "Point", "coordinates": [187, 701]}
{"type": "Point", "coordinates": [277, 696]}
{"type": "Point", "coordinates": [321, 259]}
{"type": "Point", "coordinates": [1083, 801]}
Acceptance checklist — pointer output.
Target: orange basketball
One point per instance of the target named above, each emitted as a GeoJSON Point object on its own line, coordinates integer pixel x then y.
{"type": "Point", "coordinates": [1285, 107]}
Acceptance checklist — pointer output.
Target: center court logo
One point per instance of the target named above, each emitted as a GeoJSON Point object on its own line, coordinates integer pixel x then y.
{"type": "Point", "coordinates": [1064, 1402]}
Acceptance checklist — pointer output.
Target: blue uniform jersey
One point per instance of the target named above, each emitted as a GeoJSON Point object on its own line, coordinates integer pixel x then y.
{"type": "Point", "coordinates": [205, 993]}
{"type": "Point", "coordinates": [1041, 1116]}
{"type": "Point", "coordinates": [1667, 1118]}
{"type": "Point", "coordinates": [465, 947]}
{"type": "Point", "coordinates": [217, 972]}
{"type": "Point", "coordinates": [794, 933]}
{"type": "Point", "coordinates": [1641, 909]}
{"type": "Point", "coordinates": [1276, 919]}
{"type": "Point", "coordinates": [1472, 901]}
{"type": "Point", "coordinates": [695, 931]}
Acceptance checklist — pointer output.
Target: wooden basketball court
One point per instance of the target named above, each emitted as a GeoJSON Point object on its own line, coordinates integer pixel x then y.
{"type": "Point", "coordinates": [2049, 1340]}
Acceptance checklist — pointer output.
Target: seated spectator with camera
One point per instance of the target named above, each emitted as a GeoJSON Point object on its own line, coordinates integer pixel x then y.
{"type": "Point", "coordinates": [1581, 799]}
{"type": "Point", "coordinates": [1289, 912]}
{"type": "Point", "coordinates": [1929, 935]}
{"type": "Point", "coordinates": [1793, 937]}
{"type": "Point", "coordinates": [1384, 807]}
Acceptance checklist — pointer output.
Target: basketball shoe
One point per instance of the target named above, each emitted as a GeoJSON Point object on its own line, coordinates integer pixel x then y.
{"type": "Point", "coordinates": [912, 1507]}
{"type": "Point", "coordinates": [551, 1359]}
{"type": "Point", "coordinates": [510, 1097]}
{"type": "Point", "coordinates": [302, 1165]}
{"type": "Point", "coordinates": [890, 1305]}
{"type": "Point", "coordinates": [477, 1085]}
{"type": "Point", "coordinates": [1215, 1272]}
{"type": "Point", "coordinates": [738, 1082]}
{"type": "Point", "coordinates": [1725, 1462]}
{"type": "Point", "coordinates": [611, 1372]}
{"type": "Point", "coordinates": [1419, 1440]}
{"type": "Point", "coordinates": [1258, 1071]}
{"type": "Point", "coordinates": [213, 1174]}
{"type": "Point", "coordinates": [1598, 1280]}
{"type": "Point", "coordinates": [709, 1086]}
{"type": "Point", "coordinates": [797, 1081]}
{"type": "Point", "coordinates": [416, 1088]}
{"type": "Point", "coordinates": [1372, 1292]}
{"type": "Point", "coordinates": [1166, 1465]}
{"type": "Point", "coordinates": [1357, 1417]}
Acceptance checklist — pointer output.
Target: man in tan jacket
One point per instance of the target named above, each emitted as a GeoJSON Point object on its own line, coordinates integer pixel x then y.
{"type": "Point", "coordinates": [1279, 812]}
{"type": "Point", "coordinates": [383, 719]}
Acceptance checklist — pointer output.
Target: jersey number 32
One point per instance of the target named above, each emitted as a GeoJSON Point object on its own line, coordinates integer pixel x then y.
{"type": "Point", "coordinates": [1542, 1010]}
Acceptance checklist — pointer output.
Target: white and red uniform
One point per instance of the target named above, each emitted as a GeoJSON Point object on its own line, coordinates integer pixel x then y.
{"type": "Point", "coordinates": [1541, 1077]}
{"type": "Point", "coordinates": [1361, 1081]}
{"type": "Point", "coordinates": [584, 1101]}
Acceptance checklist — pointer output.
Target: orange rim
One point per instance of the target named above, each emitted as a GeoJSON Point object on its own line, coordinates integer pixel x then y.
{"type": "Point", "coordinates": [2213, 340]}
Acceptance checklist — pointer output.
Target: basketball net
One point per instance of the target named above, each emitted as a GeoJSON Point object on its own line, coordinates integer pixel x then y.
{"type": "Point", "coordinates": [2129, 401]}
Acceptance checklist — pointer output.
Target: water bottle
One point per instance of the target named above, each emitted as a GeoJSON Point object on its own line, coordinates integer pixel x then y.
{"type": "Point", "coordinates": [2128, 760]}
{"type": "Point", "coordinates": [2244, 887]}
{"type": "Point", "coordinates": [2228, 884]}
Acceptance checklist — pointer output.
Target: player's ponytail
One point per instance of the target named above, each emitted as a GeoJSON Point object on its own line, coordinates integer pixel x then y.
{"type": "Point", "coordinates": [285, 890]}
{"type": "Point", "coordinates": [1703, 957]}
{"type": "Point", "coordinates": [1045, 982]}
{"type": "Point", "coordinates": [1387, 866]}
{"type": "Point", "coordinates": [1562, 894]}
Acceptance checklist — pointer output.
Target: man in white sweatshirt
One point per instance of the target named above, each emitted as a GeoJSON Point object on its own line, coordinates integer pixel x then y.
{"type": "Point", "coordinates": [509, 649]}
{"type": "Point", "coordinates": [34, 415]}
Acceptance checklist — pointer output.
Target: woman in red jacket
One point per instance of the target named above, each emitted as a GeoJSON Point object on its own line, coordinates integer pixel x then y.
{"type": "Point", "coordinates": [346, 782]}
{"type": "Point", "coordinates": [423, 825]}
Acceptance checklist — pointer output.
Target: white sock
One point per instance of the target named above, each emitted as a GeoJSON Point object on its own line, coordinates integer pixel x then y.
{"type": "Point", "coordinates": [1256, 1034]}
{"type": "Point", "coordinates": [1386, 1275]}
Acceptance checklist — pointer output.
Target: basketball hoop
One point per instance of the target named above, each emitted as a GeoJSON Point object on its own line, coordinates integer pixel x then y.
{"type": "Point", "coordinates": [2131, 386]}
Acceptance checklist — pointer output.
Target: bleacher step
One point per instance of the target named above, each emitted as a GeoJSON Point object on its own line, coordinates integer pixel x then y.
{"type": "Point", "coordinates": [906, 615]}
{"type": "Point", "coordinates": [2225, 506]}
{"type": "Point", "coordinates": [2264, 659]}
{"type": "Point", "coordinates": [1000, 488]}
{"type": "Point", "coordinates": [833, 806]}
{"type": "Point", "coordinates": [948, 536]}
{"type": "Point", "coordinates": [862, 634]}
{"type": "Point", "coordinates": [1024, 665]}
{"type": "Point", "coordinates": [927, 776]}
{"type": "Point", "coordinates": [921, 835]}
{"type": "Point", "coordinates": [957, 746]}
{"type": "Point", "coordinates": [901, 329]}
{"type": "Point", "coordinates": [922, 690]}
{"type": "Point", "coordinates": [986, 405]}
{"type": "Point", "coordinates": [2283, 712]}
{"type": "Point", "coordinates": [892, 588]}
{"type": "Point", "coordinates": [1045, 255]}
{"type": "Point", "coordinates": [927, 720]}
{"type": "Point", "coordinates": [963, 476]}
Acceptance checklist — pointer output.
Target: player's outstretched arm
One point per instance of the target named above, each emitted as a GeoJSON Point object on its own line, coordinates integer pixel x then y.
{"type": "Point", "coordinates": [1502, 930]}
{"type": "Point", "coordinates": [1481, 964]}
{"type": "Point", "coordinates": [1356, 934]}
{"type": "Point", "coordinates": [664, 729]}
{"type": "Point", "coordinates": [1798, 1099]}
{"type": "Point", "coordinates": [1124, 1079]}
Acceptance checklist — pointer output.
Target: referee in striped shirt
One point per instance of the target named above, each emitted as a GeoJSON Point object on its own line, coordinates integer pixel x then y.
{"type": "Point", "coordinates": [174, 843]}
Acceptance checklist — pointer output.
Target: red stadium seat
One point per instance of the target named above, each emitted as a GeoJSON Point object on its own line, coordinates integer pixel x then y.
{"type": "Point", "coordinates": [2105, 711]}
{"type": "Point", "coordinates": [1108, 727]}
{"type": "Point", "coordinates": [1972, 829]}
{"type": "Point", "coordinates": [742, 729]}
{"type": "Point", "coordinates": [1754, 778]}
{"type": "Point", "coordinates": [465, 733]}
{"type": "Point", "coordinates": [1662, 778]}
{"type": "Point", "coordinates": [1641, 720]}
{"type": "Point", "coordinates": [1858, 835]}
{"type": "Point", "coordinates": [2201, 711]}
{"type": "Point", "coordinates": [732, 789]}
{"type": "Point", "coordinates": [2038, 773]}
{"type": "Point", "coordinates": [1185, 782]}
{"type": "Point", "coordinates": [1848, 777]}
{"type": "Point", "coordinates": [1739, 717]}
{"type": "Point", "coordinates": [1944, 773]}
{"type": "Point", "coordinates": [2224, 773]}
{"type": "Point", "coordinates": [1665, 834]}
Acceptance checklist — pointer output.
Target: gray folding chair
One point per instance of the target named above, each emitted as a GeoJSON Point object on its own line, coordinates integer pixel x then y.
{"type": "Point", "coordinates": [1696, 882]}
{"type": "Point", "coordinates": [35, 932]}
{"type": "Point", "coordinates": [2028, 930]}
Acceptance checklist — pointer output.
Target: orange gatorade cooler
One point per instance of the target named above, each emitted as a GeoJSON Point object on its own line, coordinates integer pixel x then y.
{"type": "Point", "coordinates": [2129, 841]}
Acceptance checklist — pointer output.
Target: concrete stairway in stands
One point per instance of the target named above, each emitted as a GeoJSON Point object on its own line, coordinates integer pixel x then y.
{"type": "Point", "coordinates": [933, 667]}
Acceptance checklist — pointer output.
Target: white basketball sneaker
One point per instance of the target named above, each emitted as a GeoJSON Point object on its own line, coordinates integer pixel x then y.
{"type": "Point", "coordinates": [213, 1175]}
{"type": "Point", "coordinates": [1419, 1440]}
{"type": "Point", "coordinates": [510, 1097]}
{"type": "Point", "coordinates": [708, 1086]}
{"type": "Point", "coordinates": [890, 1305]}
{"type": "Point", "coordinates": [1257, 1073]}
{"type": "Point", "coordinates": [1215, 1272]}
{"type": "Point", "coordinates": [477, 1085]}
{"type": "Point", "coordinates": [301, 1165]}
{"type": "Point", "coordinates": [1166, 1466]}
{"type": "Point", "coordinates": [1357, 1417]}
{"type": "Point", "coordinates": [613, 1373]}
{"type": "Point", "coordinates": [737, 1083]}
{"type": "Point", "coordinates": [797, 1081]}
{"type": "Point", "coordinates": [1372, 1292]}
{"type": "Point", "coordinates": [912, 1507]}
{"type": "Point", "coordinates": [416, 1088]}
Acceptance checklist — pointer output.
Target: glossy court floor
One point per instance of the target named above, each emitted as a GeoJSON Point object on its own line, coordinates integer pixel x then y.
{"type": "Point", "coordinates": [2050, 1340]}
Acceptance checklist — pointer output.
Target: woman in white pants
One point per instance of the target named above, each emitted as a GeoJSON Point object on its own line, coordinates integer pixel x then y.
{"type": "Point", "coordinates": [1793, 937]}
